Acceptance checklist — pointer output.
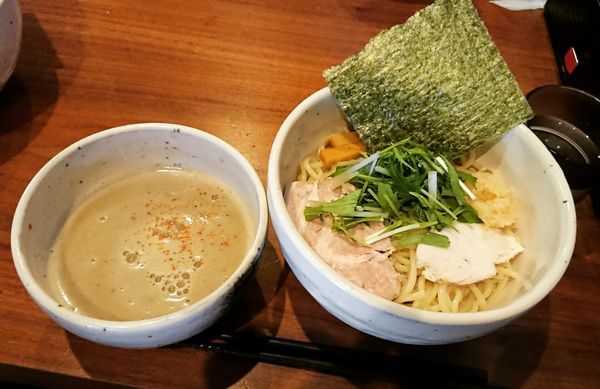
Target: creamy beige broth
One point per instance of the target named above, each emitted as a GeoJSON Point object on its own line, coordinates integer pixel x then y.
{"type": "Point", "coordinates": [148, 245]}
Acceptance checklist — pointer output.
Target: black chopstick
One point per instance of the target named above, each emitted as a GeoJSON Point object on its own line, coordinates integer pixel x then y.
{"type": "Point", "coordinates": [339, 361]}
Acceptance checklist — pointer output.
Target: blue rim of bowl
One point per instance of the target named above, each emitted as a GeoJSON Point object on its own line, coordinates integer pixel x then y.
{"type": "Point", "coordinates": [516, 307]}
{"type": "Point", "coordinates": [157, 323]}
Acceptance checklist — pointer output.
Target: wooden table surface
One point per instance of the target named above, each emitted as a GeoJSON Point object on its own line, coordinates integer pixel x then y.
{"type": "Point", "coordinates": [236, 69]}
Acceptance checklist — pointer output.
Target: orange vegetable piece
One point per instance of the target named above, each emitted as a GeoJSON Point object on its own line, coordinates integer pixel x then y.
{"type": "Point", "coordinates": [332, 155]}
{"type": "Point", "coordinates": [342, 139]}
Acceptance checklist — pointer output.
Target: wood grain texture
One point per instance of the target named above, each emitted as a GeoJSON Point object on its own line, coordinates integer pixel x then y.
{"type": "Point", "coordinates": [236, 69]}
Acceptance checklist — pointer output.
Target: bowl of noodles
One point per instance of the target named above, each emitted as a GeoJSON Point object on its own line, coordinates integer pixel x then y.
{"type": "Point", "coordinates": [398, 280]}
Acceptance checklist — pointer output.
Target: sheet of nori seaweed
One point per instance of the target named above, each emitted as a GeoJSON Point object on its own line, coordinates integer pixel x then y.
{"type": "Point", "coordinates": [437, 79]}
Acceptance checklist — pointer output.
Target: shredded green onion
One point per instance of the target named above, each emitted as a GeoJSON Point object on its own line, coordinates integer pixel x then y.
{"type": "Point", "coordinates": [407, 188]}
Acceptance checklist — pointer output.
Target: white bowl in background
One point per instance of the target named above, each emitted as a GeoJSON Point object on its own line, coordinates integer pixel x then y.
{"type": "Point", "coordinates": [547, 229]}
{"type": "Point", "coordinates": [73, 173]}
{"type": "Point", "coordinates": [10, 37]}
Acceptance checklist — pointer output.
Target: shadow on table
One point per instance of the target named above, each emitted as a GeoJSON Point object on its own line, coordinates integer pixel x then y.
{"type": "Point", "coordinates": [249, 316]}
{"type": "Point", "coordinates": [27, 99]}
{"type": "Point", "coordinates": [508, 355]}
{"type": "Point", "coordinates": [187, 366]}
{"type": "Point", "coordinates": [382, 14]}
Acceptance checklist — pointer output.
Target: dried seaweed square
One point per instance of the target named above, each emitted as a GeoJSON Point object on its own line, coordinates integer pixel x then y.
{"type": "Point", "coordinates": [437, 79]}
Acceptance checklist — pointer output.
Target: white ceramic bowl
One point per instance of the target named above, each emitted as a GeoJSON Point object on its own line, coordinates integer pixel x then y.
{"type": "Point", "coordinates": [547, 229]}
{"type": "Point", "coordinates": [49, 197]}
{"type": "Point", "coordinates": [10, 37]}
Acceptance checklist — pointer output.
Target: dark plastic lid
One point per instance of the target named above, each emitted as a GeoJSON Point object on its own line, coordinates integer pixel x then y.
{"type": "Point", "coordinates": [568, 122]}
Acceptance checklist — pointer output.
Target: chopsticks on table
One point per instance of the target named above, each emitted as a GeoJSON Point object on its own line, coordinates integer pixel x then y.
{"type": "Point", "coordinates": [339, 361]}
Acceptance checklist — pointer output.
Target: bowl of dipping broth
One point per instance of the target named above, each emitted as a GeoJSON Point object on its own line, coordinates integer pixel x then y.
{"type": "Point", "coordinates": [139, 236]}
{"type": "Point", "coordinates": [429, 312]}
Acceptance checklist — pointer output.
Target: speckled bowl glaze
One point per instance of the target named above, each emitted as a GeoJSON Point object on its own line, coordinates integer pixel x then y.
{"type": "Point", "coordinates": [10, 37]}
{"type": "Point", "coordinates": [73, 173]}
{"type": "Point", "coordinates": [547, 229]}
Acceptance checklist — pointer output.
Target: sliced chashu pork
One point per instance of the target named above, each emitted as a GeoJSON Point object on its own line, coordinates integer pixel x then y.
{"type": "Point", "coordinates": [367, 266]}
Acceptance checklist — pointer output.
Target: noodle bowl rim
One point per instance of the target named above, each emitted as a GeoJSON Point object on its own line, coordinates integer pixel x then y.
{"type": "Point", "coordinates": [511, 309]}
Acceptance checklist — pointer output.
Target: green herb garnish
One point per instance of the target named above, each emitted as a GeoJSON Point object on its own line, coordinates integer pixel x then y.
{"type": "Point", "coordinates": [345, 206]}
{"type": "Point", "coordinates": [430, 238]}
{"type": "Point", "coordinates": [408, 189]}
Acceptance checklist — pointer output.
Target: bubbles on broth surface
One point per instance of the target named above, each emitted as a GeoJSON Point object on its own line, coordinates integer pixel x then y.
{"type": "Point", "coordinates": [156, 243]}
